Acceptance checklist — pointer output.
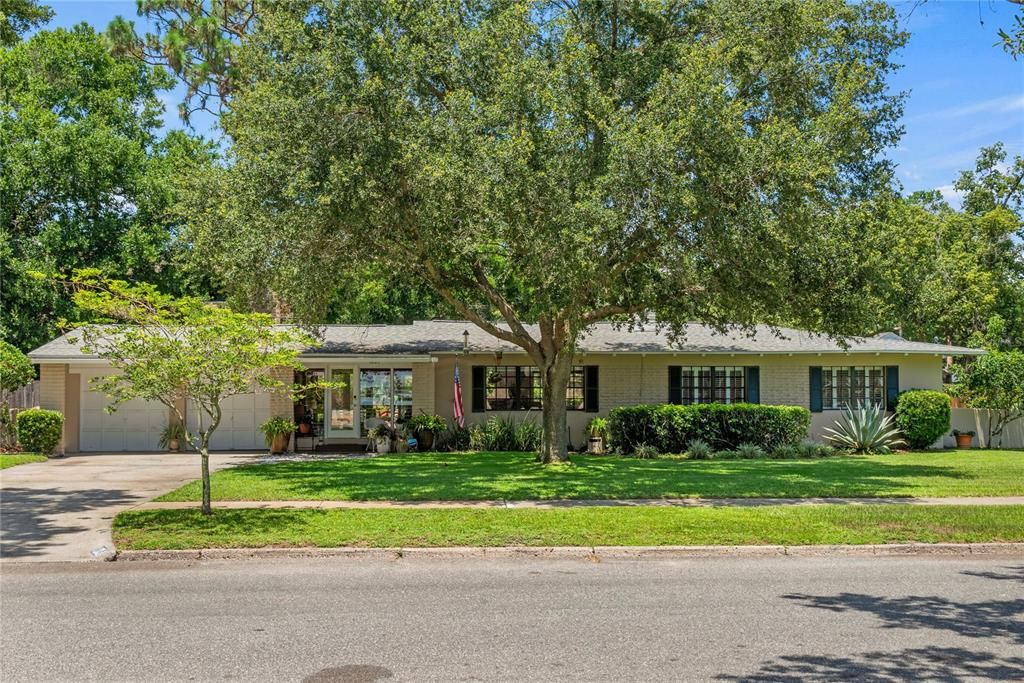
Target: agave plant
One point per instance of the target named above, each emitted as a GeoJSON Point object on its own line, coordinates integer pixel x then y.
{"type": "Point", "coordinates": [866, 429]}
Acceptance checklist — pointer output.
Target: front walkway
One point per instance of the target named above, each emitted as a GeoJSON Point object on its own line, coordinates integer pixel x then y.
{"type": "Point", "coordinates": [555, 504]}
{"type": "Point", "coordinates": [61, 509]}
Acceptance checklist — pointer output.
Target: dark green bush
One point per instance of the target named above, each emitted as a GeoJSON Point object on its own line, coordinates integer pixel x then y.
{"type": "Point", "coordinates": [922, 416]}
{"type": "Point", "coordinates": [39, 430]}
{"type": "Point", "coordinates": [671, 428]}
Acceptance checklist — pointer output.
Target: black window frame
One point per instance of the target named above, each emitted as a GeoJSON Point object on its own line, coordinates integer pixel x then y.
{"type": "Point", "coordinates": [855, 383]}
{"type": "Point", "coordinates": [702, 386]}
{"type": "Point", "coordinates": [524, 389]}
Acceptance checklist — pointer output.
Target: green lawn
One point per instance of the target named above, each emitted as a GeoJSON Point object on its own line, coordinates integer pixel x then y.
{"type": "Point", "coordinates": [817, 525]}
{"type": "Point", "coordinates": [515, 476]}
{"type": "Point", "coordinates": [12, 459]}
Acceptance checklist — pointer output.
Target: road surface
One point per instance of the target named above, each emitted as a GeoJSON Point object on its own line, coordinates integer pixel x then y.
{"type": "Point", "coordinates": [345, 619]}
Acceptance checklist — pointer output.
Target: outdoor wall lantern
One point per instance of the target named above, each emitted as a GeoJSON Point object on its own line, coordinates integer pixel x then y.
{"type": "Point", "coordinates": [465, 342]}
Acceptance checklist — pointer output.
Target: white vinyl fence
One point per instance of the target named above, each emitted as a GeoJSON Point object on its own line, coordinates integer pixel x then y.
{"type": "Point", "coordinates": [969, 419]}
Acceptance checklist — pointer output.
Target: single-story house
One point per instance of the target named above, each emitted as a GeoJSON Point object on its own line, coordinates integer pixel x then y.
{"type": "Point", "coordinates": [396, 371]}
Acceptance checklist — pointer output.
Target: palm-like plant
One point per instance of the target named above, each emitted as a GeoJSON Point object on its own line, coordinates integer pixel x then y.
{"type": "Point", "coordinates": [866, 429]}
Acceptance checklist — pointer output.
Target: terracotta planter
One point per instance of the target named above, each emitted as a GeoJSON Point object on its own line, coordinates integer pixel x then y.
{"type": "Point", "coordinates": [280, 443]}
{"type": "Point", "coordinates": [595, 445]}
{"type": "Point", "coordinates": [173, 446]}
{"type": "Point", "coordinates": [304, 428]}
{"type": "Point", "coordinates": [964, 440]}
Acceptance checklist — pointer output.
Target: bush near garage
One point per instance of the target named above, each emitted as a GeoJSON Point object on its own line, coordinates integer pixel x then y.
{"type": "Point", "coordinates": [39, 430]}
{"type": "Point", "coordinates": [672, 428]}
{"type": "Point", "coordinates": [923, 416]}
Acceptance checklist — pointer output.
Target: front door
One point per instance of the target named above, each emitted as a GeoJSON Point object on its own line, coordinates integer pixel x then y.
{"type": "Point", "coordinates": [341, 417]}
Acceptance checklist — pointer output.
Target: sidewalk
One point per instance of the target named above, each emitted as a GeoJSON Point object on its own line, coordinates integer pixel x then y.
{"type": "Point", "coordinates": [557, 504]}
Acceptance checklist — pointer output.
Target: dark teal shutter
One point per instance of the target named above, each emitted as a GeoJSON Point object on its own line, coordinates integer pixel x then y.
{"type": "Point", "coordinates": [753, 384]}
{"type": "Point", "coordinates": [675, 384]}
{"type": "Point", "coordinates": [479, 388]}
{"type": "Point", "coordinates": [892, 386]}
{"type": "Point", "coordinates": [815, 390]}
{"type": "Point", "coordinates": [590, 389]}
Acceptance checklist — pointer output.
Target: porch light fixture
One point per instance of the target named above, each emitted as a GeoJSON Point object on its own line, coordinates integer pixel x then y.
{"type": "Point", "coordinates": [498, 355]}
{"type": "Point", "coordinates": [465, 342]}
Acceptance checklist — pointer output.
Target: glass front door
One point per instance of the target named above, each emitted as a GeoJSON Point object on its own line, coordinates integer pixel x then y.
{"type": "Point", "coordinates": [341, 415]}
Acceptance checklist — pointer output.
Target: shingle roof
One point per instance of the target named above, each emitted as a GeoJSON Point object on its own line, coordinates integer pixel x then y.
{"type": "Point", "coordinates": [445, 336]}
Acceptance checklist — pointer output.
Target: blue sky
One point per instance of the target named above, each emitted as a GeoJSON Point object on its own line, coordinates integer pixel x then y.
{"type": "Point", "coordinates": [964, 91]}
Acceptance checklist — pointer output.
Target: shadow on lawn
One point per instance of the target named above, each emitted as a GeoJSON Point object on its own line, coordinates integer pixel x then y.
{"type": "Point", "coordinates": [515, 476]}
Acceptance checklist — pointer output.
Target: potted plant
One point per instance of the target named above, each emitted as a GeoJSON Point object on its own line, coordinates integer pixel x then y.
{"type": "Point", "coordinates": [963, 439]}
{"type": "Point", "coordinates": [598, 430]}
{"type": "Point", "coordinates": [426, 428]}
{"type": "Point", "coordinates": [382, 435]}
{"type": "Point", "coordinates": [171, 437]}
{"type": "Point", "coordinates": [278, 432]}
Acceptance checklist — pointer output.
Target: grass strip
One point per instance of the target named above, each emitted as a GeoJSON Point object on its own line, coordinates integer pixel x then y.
{"type": "Point", "coordinates": [13, 459]}
{"type": "Point", "coordinates": [516, 476]}
{"type": "Point", "coordinates": [819, 525]}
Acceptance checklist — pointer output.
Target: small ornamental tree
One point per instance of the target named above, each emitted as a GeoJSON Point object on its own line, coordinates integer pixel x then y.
{"type": "Point", "coordinates": [15, 372]}
{"type": "Point", "coordinates": [994, 382]}
{"type": "Point", "coordinates": [170, 350]}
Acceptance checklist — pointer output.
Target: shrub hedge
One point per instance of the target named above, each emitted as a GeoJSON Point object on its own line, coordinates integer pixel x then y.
{"type": "Point", "coordinates": [39, 430]}
{"type": "Point", "coordinates": [923, 416]}
{"type": "Point", "coordinates": [671, 428]}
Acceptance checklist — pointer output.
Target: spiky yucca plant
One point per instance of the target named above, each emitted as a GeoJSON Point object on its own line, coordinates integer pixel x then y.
{"type": "Point", "coordinates": [865, 429]}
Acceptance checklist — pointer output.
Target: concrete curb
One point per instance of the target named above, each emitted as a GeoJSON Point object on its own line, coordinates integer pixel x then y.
{"type": "Point", "coordinates": [589, 553]}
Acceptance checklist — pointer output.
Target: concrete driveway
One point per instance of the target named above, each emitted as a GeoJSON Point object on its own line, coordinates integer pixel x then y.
{"type": "Point", "coordinates": [62, 509]}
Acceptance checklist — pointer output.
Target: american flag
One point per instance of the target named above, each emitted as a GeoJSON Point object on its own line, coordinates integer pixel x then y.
{"type": "Point", "coordinates": [460, 419]}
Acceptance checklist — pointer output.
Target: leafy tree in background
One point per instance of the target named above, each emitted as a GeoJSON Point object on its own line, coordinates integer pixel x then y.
{"type": "Point", "coordinates": [178, 350]}
{"type": "Point", "coordinates": [994, 382]}
{"type": "Point", "coordinates": [86, 178]}
{"type": "Point", "coordinates": [550, 165]}
{"type": "Point", "coordinates": [17, 17]}
{"type": "Point", "coordinates": [950, 271]}
{"type": "Point", "coordinates": [15, 372]}
{"type": "Point", "coordinates": [195, 39]}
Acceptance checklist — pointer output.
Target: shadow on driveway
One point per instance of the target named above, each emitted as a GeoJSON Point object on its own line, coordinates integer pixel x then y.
{"type": "Point", "coordinates": [33, 519]}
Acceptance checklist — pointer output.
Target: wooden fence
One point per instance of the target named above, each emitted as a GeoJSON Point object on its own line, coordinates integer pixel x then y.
{"type": "Point", "coordinates": [20, 399]}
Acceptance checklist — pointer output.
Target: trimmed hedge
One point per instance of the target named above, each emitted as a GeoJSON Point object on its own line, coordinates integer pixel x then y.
{"type": "Point", "coordinates": [923, 416]}
{"type": "Point", "coordinates": [671, 428]}
{"type": "Point", "coordinates": [39, 430]}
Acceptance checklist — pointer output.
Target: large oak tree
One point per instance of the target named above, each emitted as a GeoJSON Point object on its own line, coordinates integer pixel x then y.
{"type": "Point", "coordinates": [545, 165]}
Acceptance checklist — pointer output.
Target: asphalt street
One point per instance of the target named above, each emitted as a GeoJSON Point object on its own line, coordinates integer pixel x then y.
{"type": "Point", "coordinates": [347, 619]}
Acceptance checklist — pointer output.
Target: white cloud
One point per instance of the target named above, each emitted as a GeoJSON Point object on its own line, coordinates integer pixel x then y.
{"type": "Point", "coordinates": [952, 195]}
{"type": "Point", "coordinates": [996, 105]}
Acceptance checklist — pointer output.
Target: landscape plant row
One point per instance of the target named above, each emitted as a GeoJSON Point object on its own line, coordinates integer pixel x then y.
{"type": "Point", "coordinates": [669, 428]}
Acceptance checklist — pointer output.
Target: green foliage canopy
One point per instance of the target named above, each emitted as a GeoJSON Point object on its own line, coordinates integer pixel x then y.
{"type": "Point", "coordinates": [551, 164]}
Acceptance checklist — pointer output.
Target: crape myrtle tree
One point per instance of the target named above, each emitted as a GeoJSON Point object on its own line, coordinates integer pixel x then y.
{"type": "Point", "coordinates": [178, 350]}
{"type": "Point", "coordinates": [544, 166]}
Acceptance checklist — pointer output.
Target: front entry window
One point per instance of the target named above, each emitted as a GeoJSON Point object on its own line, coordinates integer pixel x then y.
{"type": "Point", "coordinates": [385, 395]}
{"type": "Point", "coordinates": [342, 416]}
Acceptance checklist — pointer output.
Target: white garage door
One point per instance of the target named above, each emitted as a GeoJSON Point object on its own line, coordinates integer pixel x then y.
{"type": "Point", "coordinates": [239, 428]}
{"type": "Point", "coordinates": [134, 426]}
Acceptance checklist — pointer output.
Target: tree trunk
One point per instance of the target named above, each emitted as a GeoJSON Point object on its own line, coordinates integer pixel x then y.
{"type": "Point", "coordinates": [556, 380]}
{"type": "Point", "coordinates": [205, 455]}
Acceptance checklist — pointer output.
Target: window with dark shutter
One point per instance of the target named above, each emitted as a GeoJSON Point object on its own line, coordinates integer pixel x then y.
{"type": "Point", "coordinates": [479, 388]}
{"type": "Point", "coordinates": [815, 405]}
{"type": "Point", "coordinates": [590, 401]}
{"type": "Point", "coordinates": [675, 384]}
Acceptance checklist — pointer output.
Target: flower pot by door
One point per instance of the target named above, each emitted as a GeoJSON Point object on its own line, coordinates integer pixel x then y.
{"type": "Point", "coordinates": [280, 443]}
{"type": "Point", "coordinates": [383, 445]}
{"type": "Point", "coordinates": [964, 440]}
{"type": "Point", "coordinates": [425, 440]}
{"type": "Point", "coordinates": [595, 445]}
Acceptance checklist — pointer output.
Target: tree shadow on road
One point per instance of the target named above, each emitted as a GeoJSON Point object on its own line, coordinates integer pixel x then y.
{"type": "Point", "coordinates": [27, 516]}
{"type": "Point", "coordinates": [926, 663]}
{"type": "Point", "coordinates": [1010, 574]}
{"type": "Point", "coordinates": [995, 619]}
